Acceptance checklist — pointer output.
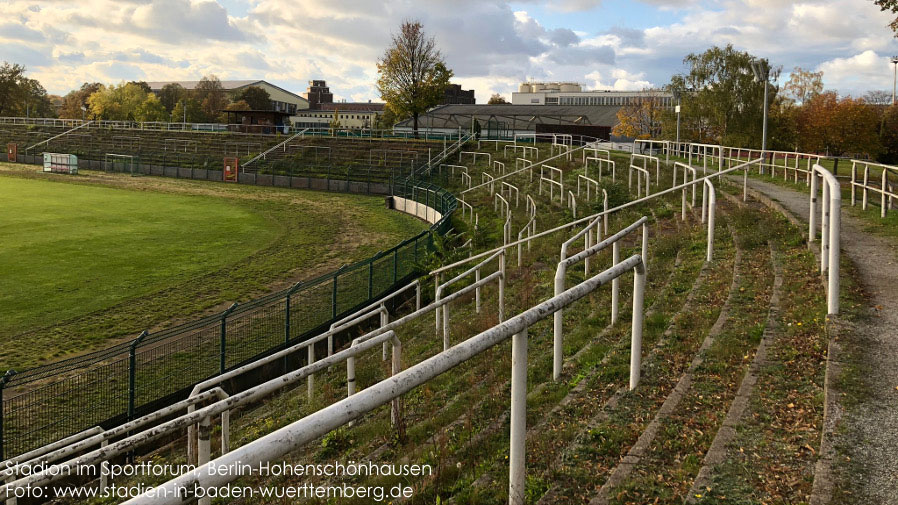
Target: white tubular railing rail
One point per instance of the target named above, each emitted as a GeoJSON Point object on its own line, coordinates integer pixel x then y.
{"type": "Point", "coordinates": [509, 188]}
{"type": "Point", "coordinates": [276, 445]}
{"type": "Point", "coordinates": [436, 274]}
{"type": "Point", "coordinates": [222, 406]}
{"type": "Point", "coordinates": [486, 178]}
{"type": "Point", "coordinates": [589, 182]}
{"type": "Point", "coordinates": [466, 177]}
{"type": "Point", "coordinates": [475, 154]}
{"type": "Point", "coordinates": [646, 161]}
{"type": "Point", "coordinates": [550, 180]}
{"type": "Point", "coordinates": [709, 211]}
{"type": "Point", "coordinates": [529, 228]}
{"type": "Point", "coordinates": [466, 205]}
{"type": "Point", "coordinates": [281, 145]}
{"type": "Point", "coordinates": [640, 174]}
{"type": "Point", "coordinates": [572, 203]}
{"type": "Point", "coordinates": [495, 142]}
{"type": "Point", "coordinates": [886, 188]}
{"type": "Point", "coordinates": [595, 154]}
{"type": "Point", "coordinates": [476, 271]}
{"type": "Point", "coordinates": [830, 230]}
{"type": "Point", "coordinates": [602, 162]}
{"type": "Point", "coordinates": [500, 166]}
{"type": "Point", "coordinates": [82, 125]}
{"type": "Point", "coordinates": [742, 166]}
{"type": "Point", "coordinates": [452, 168]}
{"type": "Point", "coordinates": [561, 271]}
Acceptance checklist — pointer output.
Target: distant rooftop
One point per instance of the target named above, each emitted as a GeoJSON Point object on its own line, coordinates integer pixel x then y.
{"type": "Point", "coordinates": [228, 85]}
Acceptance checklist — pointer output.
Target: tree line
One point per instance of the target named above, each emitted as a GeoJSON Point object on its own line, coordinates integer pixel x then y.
{"type": "Point", "coordinates": [127, 101]}
{"type": "Point", "coordinates": [721, 102]}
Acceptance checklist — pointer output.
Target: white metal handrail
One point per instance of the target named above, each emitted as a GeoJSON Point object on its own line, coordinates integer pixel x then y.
{"type": "Point", "coordinates": [572, 203]}
{"type": "Point", "coordinates": [550, 180]}
{"type": "Point", "coordinates": [507, 187]}
{"type": "Point", "coordinates": [886, 188]}
{"type": "Point", "coordinates": [560, 273]}
{"type": "Point", "coordinates": [475, 154]}
{"type": "Point", "coordinates": [281, 144]}
{"type": "Point", "coordinates": [830, 229]}
{"type": "Point", "coordinates": [595, 154]}
{"type": "Point", "coordinates": [742, 166]}
{"type": "Point", "coordinates": [501, 166]}
{"type": "Point", "coordinates": [640, 174]}
{"type": "Point", "coordinates": [277, 444]}
{"type": "Point", "coordinates": [601, 163]}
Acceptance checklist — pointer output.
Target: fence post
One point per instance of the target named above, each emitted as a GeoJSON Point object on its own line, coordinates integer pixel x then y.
{"type": "Point", "coordinates": [224, 336]}
{"type": "Point", "coordinates": [395, 264]}
{"type": "Point", "coordinates": [132, 371]}
{"type": "Point", "coordinates": [3, 381]}
{"type": "Point", "coordinates": [287, 320]}
{"type": "Point", "coordinates": [371, 279]}
{"type": "Point", "coordinates": [334, 295]}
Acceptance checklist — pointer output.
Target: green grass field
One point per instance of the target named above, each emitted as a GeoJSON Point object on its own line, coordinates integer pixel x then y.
{"type": "Point", "coordinates": [92, 259]}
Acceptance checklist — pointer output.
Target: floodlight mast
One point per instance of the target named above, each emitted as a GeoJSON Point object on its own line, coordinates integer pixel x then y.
{"type": "Point", "coordinates": [676, 95]}
{"type": "Point", "coordinates": [761, 69]}
{"type": "Point", "coordinates": [895, 77]}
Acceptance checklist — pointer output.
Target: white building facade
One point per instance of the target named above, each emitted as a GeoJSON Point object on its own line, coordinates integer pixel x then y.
{"type": "Point", "coordinates": [571, 93]}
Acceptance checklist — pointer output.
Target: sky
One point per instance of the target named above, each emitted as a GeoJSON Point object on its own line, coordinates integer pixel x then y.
{"type": "Point", "coordinates": [492, 46]}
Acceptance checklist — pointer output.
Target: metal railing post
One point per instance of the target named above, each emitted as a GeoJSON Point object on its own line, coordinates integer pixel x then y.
{"type": "Point", "coordinates": [518, 437]}
{"type": "Point", "coordinates": [637, 323]}
{"type": "Point", "coordinates": [615, 283]}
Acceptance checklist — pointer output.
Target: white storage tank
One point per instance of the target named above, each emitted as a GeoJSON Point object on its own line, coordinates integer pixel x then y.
{"type": "Point", "coordinates": [570, 87]}
{"type": "Point", "coordinates": [525, 88]}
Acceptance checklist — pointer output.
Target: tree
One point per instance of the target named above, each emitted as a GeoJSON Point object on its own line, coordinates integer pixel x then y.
{"type": "Point", "coordinates": [836, 127]}
{"type": "Point", "coordinates": [171, 94]}
{"type": "Point", "coordinates": [74, 104]}
{"type": "Point", "coordinates": [256, 98]}
{"type": "Point", "coordinates": [803, 84]}
{"type": "Point", "coordinates": [335, 122]}
{"type": "Point", "coordinates": [20, 96]}
{"type": "Point", "coordinates": [211, 96]}
{"type": "Point", "coordinates": [878, 97]}
{"type": "Point", "coordinates": [385, 120]}
{"type": "Point", "coordinates": [641, 119]}
{"type": "Point", "coordinates": [238, 105]}
{"type": "Point", "coordinates": [37, 102]}
{"type": "Point", "coordinates": [889, 136]}
{"type": "Point", "coordinates": [889, 5]}
{"type": "Point", "coordinates": [721, 102]}
{"type": "Point", "coordinates": [151, 110]}
{"type": "Point", "coordinates": [413, 75]}
{"type": "Point", "coordinates": [194, 111]}
{"type": "Point", "coordinates": [497, 99]}
{"type": "Point", "coordinates": [126, 102]}
{"type": "Point", "coordinates": [142, 85]}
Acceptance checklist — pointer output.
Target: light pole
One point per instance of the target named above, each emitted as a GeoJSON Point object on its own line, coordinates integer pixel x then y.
{"type": "Point", "coordinates": [761, 69]}
{"type": "Point", "coordinates": [676, 95]}
{"type": "Point", "coordinates": [895, 77]}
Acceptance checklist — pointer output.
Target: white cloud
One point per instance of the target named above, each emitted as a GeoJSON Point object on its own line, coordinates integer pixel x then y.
{"type": "Point", "coordinates": [489, 46]}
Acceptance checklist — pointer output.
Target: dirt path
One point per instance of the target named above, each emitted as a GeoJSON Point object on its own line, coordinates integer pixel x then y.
{"type": "Point", "coordinates": [868, 430]}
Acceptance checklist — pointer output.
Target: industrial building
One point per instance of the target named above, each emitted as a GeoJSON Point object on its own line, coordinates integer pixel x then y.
{"type": "Point", "coordinates": [572, 93]}
{"type": "Point", "coordinates": [453, 94]}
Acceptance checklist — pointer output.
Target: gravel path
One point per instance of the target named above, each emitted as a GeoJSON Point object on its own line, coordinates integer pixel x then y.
{"type": "Point", "coordinates": [870, 429]}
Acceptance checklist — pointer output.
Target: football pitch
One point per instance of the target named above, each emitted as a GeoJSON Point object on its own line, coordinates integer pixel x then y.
{"type": "Point", "coordinates": [98, 259]}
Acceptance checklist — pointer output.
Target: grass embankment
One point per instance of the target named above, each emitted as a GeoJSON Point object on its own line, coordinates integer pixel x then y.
{"type": "Point", "coordinates": [94, 258]}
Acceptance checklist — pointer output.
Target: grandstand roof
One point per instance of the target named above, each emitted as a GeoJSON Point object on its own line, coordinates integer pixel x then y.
{"type": "Point", "coordinates": [517, 116]}
{"type": "Point", "coordinates": [227, 85]}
